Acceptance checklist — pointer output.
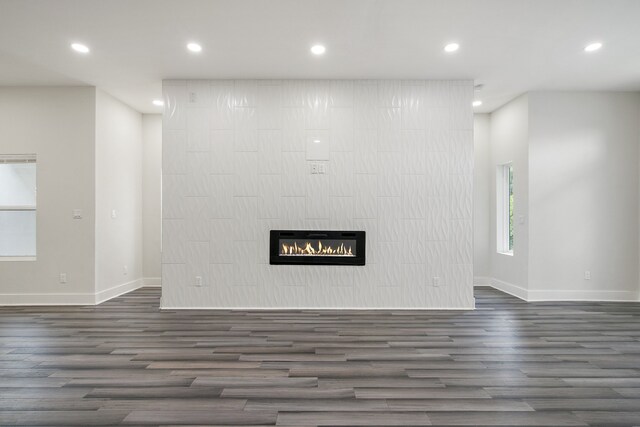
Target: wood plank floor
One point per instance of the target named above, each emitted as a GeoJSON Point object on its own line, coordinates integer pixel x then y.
{"type": "Point", "coordinates": [508, 363]}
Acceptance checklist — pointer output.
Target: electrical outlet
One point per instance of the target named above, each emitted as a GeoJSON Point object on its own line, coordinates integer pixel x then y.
{"type": "Point", "coordinates": [198, 280]}
{"type": "Point", "coordinates": [322, 168]}
{"type": "Point", "coordinates": [314, 168]}
{"type": "Point", "coordinates": [193, 97]}
{"type": "Point", "coordinates": [587, 275]}
{"type": "Point", "coordinates": [63, 277]}
{"type": "Point", "coordinates": [436, 281]}
{"type": "Point", "coordinates": [114, 214]}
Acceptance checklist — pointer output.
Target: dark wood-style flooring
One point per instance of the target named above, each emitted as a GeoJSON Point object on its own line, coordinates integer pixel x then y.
{"type": "Point", "coordinates": [506, 363]}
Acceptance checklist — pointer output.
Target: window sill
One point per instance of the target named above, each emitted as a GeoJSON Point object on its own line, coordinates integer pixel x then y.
{"type": "Point", "coordinates": [17, 258]}
{"type": "Point", "coordinates": [506, 253]}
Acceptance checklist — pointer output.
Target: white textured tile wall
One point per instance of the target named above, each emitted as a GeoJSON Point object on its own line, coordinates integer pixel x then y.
{"type": "Point", "coordinates": [236, 164]}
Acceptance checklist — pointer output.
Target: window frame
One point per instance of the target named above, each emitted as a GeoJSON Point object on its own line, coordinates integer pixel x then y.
{"type": "Point", "coordinates": [504, 209]}
{"type": "Point", "coordinates": [20, 159]}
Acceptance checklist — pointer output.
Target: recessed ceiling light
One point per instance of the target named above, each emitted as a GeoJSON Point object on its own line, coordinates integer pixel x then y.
{"type": "Point", "coordinates": [476, 103]}
{"type": "Point", "coordinates": [451, 47]}
{"type": "Point", "coordinates": [158, 102]}
{"type": "Point", "coordinates": [194, 47]}
{"type": "Point", "coordinates": [79, 47]}
{"type": "Point", "coordinates": [318, 49]}
{"type": "Point", "coordinates": [592, 47]}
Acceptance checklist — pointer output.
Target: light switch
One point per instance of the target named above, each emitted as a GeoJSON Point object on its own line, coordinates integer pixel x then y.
{"type": "Point", "coordinates": [77, 214]}
{"type": "Point", "coordinates": [114, 214]}
{"type": "Point", "coordinates": [314, 168]}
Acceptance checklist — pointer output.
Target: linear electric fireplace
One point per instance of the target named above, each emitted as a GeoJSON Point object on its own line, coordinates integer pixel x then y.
{"type": "Point", "coordinates": [312, 247]}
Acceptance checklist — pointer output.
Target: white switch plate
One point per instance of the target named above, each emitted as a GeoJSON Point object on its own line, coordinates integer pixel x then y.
{"type": "Point", "coordinates": [114, 214]}
{"type": "Point", "coordinates": [198, 280]}
{"type": "Point", "coordinates": [125, 270]}
{"type": "Point", "coordinates": [314, 168]}
{"type": "Point", "coordinates": [63, 277]}
{"type": "Point", "coordinates": [436, 281]}
{"type": "Point", "coordinates": [322, 168]}
{"type": "Point", "coordinates": [587, 275]}
{"type": "Point", "coordinates": [77, 214]}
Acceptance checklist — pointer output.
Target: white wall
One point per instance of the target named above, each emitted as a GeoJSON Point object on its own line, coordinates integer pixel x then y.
{"type": "Point", "coordinates": [509, 143]}
{"type": "Point", "coordinates": [576, 185]}
{"type": "Point", "coordinates": [583, 195]}
{"type": "Point", "coordinates": [482, 186]}
{"type": "Point", "coordinates": [151, 204]}
{"type": "Point", "coordinates": [57, 124]}
{"type": "Point", "coordinates": [118, 172]}
{"type": "Point", "coordinates": [400, 167]}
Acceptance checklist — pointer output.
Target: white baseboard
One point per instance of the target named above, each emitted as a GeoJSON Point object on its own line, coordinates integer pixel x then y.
{"type": "Point", "coordinates": [509, 288]}
{"type": "Point", "coordinates": [47, 299]}
{"type": "Point", "coordinates": [556, 295]}
{"type": "Point", "coordinates": [71, 298]}
{"type": "Point", "coordinates": [569, 295]}
{"type": "Point", "coordinates": [118, 290]}
{"type": "Point", "coordinates": [152, 281]}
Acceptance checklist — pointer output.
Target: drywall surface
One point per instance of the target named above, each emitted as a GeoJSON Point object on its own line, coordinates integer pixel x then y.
{"type": "Point", "coordinates": [509, 144]}
{"type": "Point", "coordinates": [482, 186]}
{"type": "Point", "coordinates": [583, 195]}
{"type": "Point", "coordinates": [151, 197]}
{"type": "Point", "coordinates": [58, 125]}
{"type": "Point", "coordinates": [118, 224]}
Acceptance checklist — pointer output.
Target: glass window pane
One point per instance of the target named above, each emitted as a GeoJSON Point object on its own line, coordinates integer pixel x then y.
{"type": "Point", "coordinates": [17, 184]}
{"type": "Point", "coordinates": [510, 207]}
{"type": "Point", "coordinates": [17, 233]}
{"type": "Point", "coordinates": [320, 247]}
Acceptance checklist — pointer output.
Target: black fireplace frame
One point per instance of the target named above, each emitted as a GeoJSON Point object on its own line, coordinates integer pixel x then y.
{"type": "Point", "coordinates": [276, 259]}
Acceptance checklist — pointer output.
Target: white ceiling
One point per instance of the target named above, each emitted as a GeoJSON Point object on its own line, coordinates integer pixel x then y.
{"type": "Point", "coordinates": [511, 46]}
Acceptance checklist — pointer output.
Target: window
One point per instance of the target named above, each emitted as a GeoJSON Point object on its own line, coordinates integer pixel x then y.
{"type": "Point", "coordinates": [17, 207]}
{"type": "Point", "coordinates": [504, 197]}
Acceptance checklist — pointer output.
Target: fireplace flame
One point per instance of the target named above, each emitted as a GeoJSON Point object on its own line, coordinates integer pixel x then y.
{"type": "Point", "coordinates": [310, 250]}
